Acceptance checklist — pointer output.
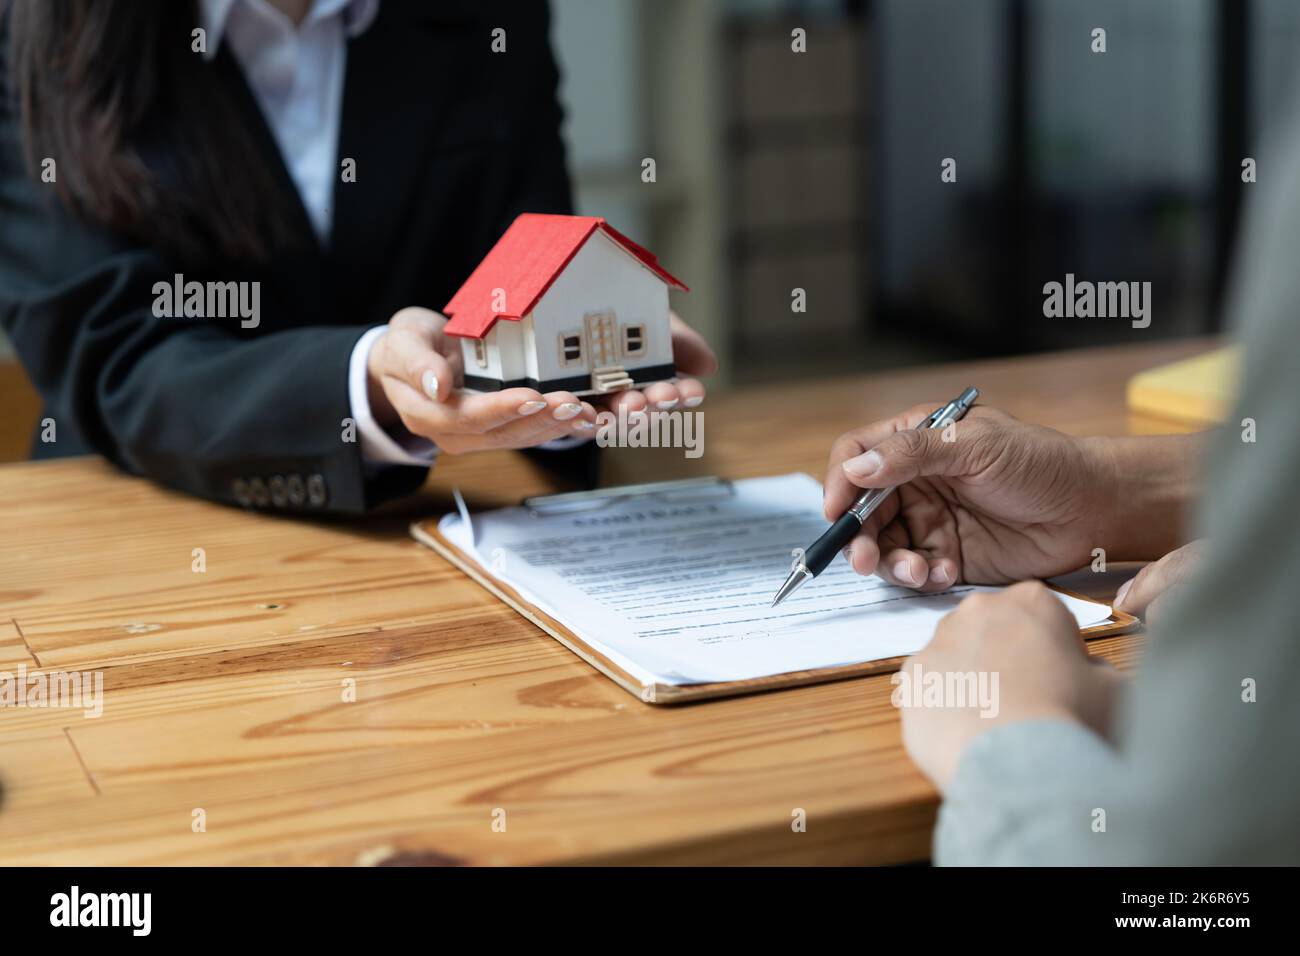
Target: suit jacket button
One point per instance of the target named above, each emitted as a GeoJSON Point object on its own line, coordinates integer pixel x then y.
{"type": "Point", "coordinates": [239, 488]}
{"type": "Point", "coordinates": [296, 490]}
{"type": "Point", "coordinates": [316, 491]}
{"type": "Point", "coordinates": [279, 497]}
{"type": "Point", "coordinates": [257, 488]}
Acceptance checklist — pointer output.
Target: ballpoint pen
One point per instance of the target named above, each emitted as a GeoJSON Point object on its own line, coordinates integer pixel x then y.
{"type": "Point", "coordinates": [821, 553]}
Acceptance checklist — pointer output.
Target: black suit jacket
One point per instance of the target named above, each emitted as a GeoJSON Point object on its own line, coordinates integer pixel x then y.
{"type": "Point", "coordinates": [451, 142]}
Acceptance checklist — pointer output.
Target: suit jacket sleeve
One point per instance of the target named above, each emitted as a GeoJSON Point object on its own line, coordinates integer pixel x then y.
{"type": "Point", "coordinates": [191, 403]}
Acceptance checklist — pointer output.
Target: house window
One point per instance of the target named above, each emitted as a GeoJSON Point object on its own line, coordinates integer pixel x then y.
{"type": "Point", "coordinates": [480, 353]}
{"type": "Point", "coordinates": [633, 339]}
{"type": "Point", "coordinates": [570, 348]}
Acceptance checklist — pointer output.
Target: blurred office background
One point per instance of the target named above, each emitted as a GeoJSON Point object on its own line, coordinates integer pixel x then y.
{"type": "Point", "coordinates": [820, 170]}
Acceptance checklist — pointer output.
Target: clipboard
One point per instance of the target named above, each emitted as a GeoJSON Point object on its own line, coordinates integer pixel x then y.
{"type": "Point", "coordinates": [427, 533]}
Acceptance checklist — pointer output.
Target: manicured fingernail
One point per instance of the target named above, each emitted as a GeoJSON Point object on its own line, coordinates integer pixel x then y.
{"type": "Point", "coordinates": [567, 410]}
{"type": "Point", "coordinates": [666, 405]}
{"type": "Point", "coordinates": [848, 555]}
{"type": "Point", "coordinates": [583, 425]}
{"type": "Point", "coordinates": [864, 466]}
{"type": "Point", "coordinates": [528, 408]}
{"type": "Point", "coordinates": [1123, 592]}
{"type": "Point", "coordinates": [430, 383]}
{"type": "Point", "coordinates": [904, 573]}
{"type": "Point", "coordinates": [693, 401]}
{"type": "Point", "coordinates": [939, 574]}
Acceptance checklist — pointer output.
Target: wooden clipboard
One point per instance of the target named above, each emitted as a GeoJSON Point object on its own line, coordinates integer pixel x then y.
{"type": "Point", "coordinates": [427, 533]}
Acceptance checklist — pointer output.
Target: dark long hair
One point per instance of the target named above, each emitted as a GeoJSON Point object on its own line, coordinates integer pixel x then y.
{"type": "Point", "coordinates": [146, 142]}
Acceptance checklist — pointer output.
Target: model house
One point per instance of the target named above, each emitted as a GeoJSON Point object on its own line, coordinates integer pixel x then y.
{"type": "Point", "coordinates": [564, 303]}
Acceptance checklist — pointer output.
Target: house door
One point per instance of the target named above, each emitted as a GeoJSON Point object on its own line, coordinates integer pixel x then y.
{"type": "Point", "coordinates": [602, 346]}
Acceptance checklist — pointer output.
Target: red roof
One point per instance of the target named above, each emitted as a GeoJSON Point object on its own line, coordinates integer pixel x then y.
{"type": "Point", "coordinates": [524, 263]}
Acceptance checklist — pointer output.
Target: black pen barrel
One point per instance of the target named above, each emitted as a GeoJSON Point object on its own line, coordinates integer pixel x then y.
{"type": "Point", "coordinates": [837, 537]}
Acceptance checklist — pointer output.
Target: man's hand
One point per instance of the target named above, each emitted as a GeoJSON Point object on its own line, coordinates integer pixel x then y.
{"type": "Point", "coordinates": [1147, 595]}
{"type": "Point", "coordinates": [1026, 636]}
{"type": "Point", "coordinates": [1002, 501]}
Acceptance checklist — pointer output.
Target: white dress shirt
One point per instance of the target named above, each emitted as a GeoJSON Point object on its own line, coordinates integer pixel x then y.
{"type": "Point", "coordinates": [296, 74]}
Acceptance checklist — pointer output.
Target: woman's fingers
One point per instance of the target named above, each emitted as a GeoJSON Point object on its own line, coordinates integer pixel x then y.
{"type": "Point", "coordinates": [691, 353]}
{"type": "Point", "coordinates": [412, 368]}
{"type": "Point", "coordinates": [662, 396]}
{"type": "Point", "coordinates": [690, 391]}
{"type": "Point", "coordinates": [562, 415]}
{"type": "Point", "coordinates": [411, 350]}
{"type": "Point", "coordinates": [419, 381]}
{"type": "Point", "coordinates": [529, 432]}
{"type": "Point", "coordinates": [585, 423]}
{"type": "Point", "coordinates": [564, 406]}
{"type": "Point", "coordinates": [633, 400]}
{"type": "Point", "coordinates": [463, 414]}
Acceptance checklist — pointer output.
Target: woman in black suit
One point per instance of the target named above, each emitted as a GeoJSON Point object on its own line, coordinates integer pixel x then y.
{"type": "Point", "coordinates": [350, 160]}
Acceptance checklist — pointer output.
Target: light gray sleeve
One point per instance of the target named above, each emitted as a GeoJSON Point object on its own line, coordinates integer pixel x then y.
{"type": "Point", "coordinates": [1207, 764]}
{"type": "Point", "coordinates": [1026, 793]}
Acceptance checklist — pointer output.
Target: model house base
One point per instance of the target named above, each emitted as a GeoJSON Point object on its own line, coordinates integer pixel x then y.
{"type": "Point", "coordinates": [580, 385]}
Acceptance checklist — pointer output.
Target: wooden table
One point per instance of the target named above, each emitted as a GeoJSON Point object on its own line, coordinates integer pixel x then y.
{"type": "Point", "coordinates": [224, 689]}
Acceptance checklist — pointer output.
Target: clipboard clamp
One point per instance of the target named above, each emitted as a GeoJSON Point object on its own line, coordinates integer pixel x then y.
{"type": "Point", "coordinates": [705, 488]}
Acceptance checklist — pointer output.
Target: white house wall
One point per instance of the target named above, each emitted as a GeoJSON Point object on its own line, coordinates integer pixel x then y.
{"type": "Point", "coordinates": [601, 277]}
{"type": "Point", "coordinates": [509, 337]}
{"type": "Point", "coordinates": [530, 347]}
{"type": "Point", "coordinates": [505, 352]}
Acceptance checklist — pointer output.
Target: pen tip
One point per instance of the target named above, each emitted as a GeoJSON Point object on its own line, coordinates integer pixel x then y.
{"type": "Point", "coordinates": [796, 578]}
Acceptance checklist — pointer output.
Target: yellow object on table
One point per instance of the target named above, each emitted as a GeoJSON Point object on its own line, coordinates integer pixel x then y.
{"type": "Point", "coordinates": [1199, 389]}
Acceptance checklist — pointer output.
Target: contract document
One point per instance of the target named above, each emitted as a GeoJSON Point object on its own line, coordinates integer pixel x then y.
{"type": "Point", "coordinates": [675, 588]}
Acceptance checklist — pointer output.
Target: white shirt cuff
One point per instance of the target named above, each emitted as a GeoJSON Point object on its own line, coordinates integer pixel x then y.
{"type": "Point", "coordinates": [378, 447]}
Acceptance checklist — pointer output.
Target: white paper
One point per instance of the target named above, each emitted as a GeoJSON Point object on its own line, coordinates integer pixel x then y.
{"type": "Point", "coordinates": [677, 589]}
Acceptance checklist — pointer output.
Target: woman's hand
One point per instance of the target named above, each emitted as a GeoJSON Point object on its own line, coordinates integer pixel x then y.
{"type": "Point", "coordinates": [1001, 501]}
{"type": "Point", "coordinates": [692, 355]}
{"type": "Point", "coordinates": [1024, 636]}
{"type": "Point", "coordinates": [414, 371]}
{"type": "Point", "coordinates": [413, 374]}
{"type": "Point", "coordinates": [1147, 595]}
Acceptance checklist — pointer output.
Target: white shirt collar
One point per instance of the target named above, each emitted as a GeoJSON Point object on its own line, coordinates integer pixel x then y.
{"type": "Point", "coordinates": [214, 16]}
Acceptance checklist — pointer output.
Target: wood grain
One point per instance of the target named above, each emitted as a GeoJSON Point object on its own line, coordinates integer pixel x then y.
{"type": "Point", "coordinates": [224, 691]}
